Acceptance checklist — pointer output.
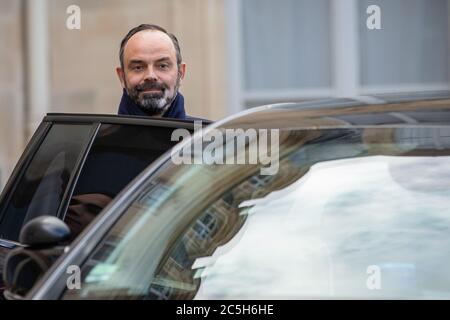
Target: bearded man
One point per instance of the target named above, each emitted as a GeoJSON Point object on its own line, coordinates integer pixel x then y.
{"type": "Point", "coordinates": [151, 71]}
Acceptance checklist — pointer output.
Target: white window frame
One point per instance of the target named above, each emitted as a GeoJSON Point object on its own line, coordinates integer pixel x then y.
{"type": "Point", "coordinates": [345, 57]}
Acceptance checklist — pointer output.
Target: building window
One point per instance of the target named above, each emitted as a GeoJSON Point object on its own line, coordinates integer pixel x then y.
{"type": "Point", "coordinates": [276, 60]}
{"type": "Point", "coordinates": [205, 226]}
{"type": "Point", "coordinates": [298, 50]}
{"type": "Point", "coordinates": [412, 48]}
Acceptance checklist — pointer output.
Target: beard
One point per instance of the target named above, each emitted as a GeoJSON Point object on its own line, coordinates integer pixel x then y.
{"type": "Point", "coordinates": [154, 103]}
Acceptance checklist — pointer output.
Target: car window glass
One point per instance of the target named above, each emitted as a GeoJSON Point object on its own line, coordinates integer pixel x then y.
{"type": "Point", "coordinates": [41, 187]}
{"type": "Point", "coordinates": [119, 153]}
{"type": "Point", "coordinates": [317, 228]}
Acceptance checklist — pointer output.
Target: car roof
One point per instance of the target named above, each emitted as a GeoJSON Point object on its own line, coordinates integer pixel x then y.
{"type": "Point", "coordinates": [119, 119]}
{"type": "Point", "coordinates": [359, 111]}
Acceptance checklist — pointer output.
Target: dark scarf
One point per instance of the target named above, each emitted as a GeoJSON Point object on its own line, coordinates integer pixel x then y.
{"type": "Point", "coordinates": [176, 109]}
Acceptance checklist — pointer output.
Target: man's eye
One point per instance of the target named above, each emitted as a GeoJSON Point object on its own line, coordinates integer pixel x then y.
{"type": "Point", "coordinates": [137, 68]}
{"type": "Point", "coordinates": [164, 66]}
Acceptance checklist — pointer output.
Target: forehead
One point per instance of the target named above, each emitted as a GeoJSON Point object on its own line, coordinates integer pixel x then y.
{"type": "Point", "coordinates": [149, 44]}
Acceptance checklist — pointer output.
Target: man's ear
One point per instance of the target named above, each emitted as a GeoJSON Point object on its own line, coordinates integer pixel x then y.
{"type": "Point", "coordinates": [121, 76]}
{"type": "Point", "coordinates": [182, 70]}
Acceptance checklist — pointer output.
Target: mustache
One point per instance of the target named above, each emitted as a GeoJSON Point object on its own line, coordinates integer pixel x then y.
{"type": "Point", "coordinates": [151, 86]}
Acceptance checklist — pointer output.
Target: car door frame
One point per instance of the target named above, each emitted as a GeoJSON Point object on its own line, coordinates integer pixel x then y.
{"type": "Point", "coordinates": [99, 121]}
{"type": "Point", "coordinates": [18, 172]}
{"type": "Point", "coordinates": [96, 121]}
{"type": "Point", "coordinates": [53, 284]}
{"type": "Point", "coordinates": [23, 164]}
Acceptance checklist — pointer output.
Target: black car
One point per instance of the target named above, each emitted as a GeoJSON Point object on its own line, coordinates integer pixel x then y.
{"type": "Point", "coordinates": [75, 164]}
{"type": "Point", "coordinates": [358, 207]}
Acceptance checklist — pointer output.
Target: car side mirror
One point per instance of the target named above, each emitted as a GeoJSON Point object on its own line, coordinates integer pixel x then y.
{"type": "Point", "coordinates": [44, 231]}
{"type": "Point", "coordinates": [43, 239]}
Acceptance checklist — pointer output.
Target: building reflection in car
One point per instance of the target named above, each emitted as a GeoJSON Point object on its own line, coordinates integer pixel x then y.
{"type": "Point", "coordinates": [218, 219]}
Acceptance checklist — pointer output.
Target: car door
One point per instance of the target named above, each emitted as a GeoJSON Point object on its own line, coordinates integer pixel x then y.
{"type": "Point", "coordinates": [74, 165]}
{"type": "Point", "coordinates": [39, 183]}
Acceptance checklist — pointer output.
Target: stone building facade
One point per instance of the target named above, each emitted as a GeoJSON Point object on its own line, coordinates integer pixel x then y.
{"type": "Point", "coordinates": [74, 70]}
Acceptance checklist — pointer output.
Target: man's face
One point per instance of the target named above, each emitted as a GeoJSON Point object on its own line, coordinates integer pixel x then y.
{"type": "Point", "coordinates": [150, 74]}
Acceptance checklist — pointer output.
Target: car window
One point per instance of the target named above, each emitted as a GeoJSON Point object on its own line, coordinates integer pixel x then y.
{"type": "Point", "coordinates": [119, 153]}
{"type": "Point", "coordinates": [42, 186]}
{"type": "Point", "coordinates": [359, 213]}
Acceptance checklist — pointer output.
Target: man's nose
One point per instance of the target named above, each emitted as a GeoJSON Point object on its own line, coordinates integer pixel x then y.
{"type": "Point", "coordinates": [150, 74]}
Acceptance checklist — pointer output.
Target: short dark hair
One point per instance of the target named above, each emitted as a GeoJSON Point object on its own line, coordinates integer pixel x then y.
{"type": "Point", "coordinates": [155, 27]}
